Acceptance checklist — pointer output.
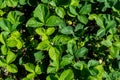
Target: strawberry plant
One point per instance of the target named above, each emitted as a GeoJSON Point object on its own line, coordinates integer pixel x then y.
{"type": "Point", "coordinates": [59, 39]}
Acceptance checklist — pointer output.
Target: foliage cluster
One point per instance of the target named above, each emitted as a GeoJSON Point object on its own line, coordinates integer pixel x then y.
{"type": "Point", "coordinates": [60, 39]}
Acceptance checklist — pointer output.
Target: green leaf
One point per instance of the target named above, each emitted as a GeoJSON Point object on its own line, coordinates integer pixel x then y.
{"type": "Point", "coordinates": [92, 16]}
{"type": "Point", "coordinates": [41, 12]}
{"type": "Point", "coordinates": [72, 10]}
{"type": "Point", "coordinates": [99, 21]}
{"type": "Point", "coordinates": [16, 34]}
{"type": "Point", "coordinates": [53, 3]}
{"type": "Point", "coordinates": [29, 67]}
{"type": "Point", "coordinates": [53, 21]}
{"type": "Point", "coordinates": [78, 27]}
{"type": "Point", "coordinates": [44, 45]}
{"type": "Point", "coordinates": [114, 51]}
{"type": "Point", "coordinates": [11, 42]}
{"type": "Point", "coordinates": [12, 3]}
{"type": "Point", "coordinates": [21, 61]}
{"type": "Point", "coordinates": [2, 12]}
{"type": "Point", "coordinates": [25, 78]}
{"type": "Point", "coordinates": [93, 71]}
{"type": "Point", "coordinates": [116, 37]}
{"type": "Point", "coordinates": [13, 27]}
{"type": "Point", "coordinates": [74, 3]}
{"type": "Point", "coordinates": [10, 57]}
{"type": "Point", "coordinates": [67, 30]}
{"type": "Point", "coordinates": [67, 59]}
{"type": "Point", "coordinates": [51, 77]}
{"type": "Point", "coordinates": [60, 12]}
{"type": "Point", "coordinates": [117, 44]}
{"type": "Point", "coordinates": [32, 22]}
{"type": "Point", "coordinates": [101, 72]}
{"type": "Point", "coordinates": [2, 4]}
{"type": "Point", "coordinates": [31, 76]}
{"type": "Point", "coordinates": [114, 75]}
{"type": "Point", "coordinates": [83, 19]}
{"type": "Point", "coordinates": [92, 63]}
{"type": "Point", "coordinates": [86, 9]}
{"type": "Point", "coordinates": [55, 64]}
{"type": "Point", "coordinates": [50, 30]}
{"type": "Point", "coordinates": [67, 75]}
{"type": "Point", "coordinates": [51, 69]}
{"type": "Point", "coordinates": [61, 39]}
{"type": "Point", "coordinates": [3, 62]}
{"type": "Point", "coordinates": [70, 14]}
{"type": "Point", "coordinates": [107, 43]}
{"type": "Point", "coordinates": [45, 1]}
{"type": "Point", "coordinates": [12, 68]}
{"type": "Point", "coordinates": [45, 37]}
{"type": "Point", "coordinates": [81, 52]}
{"type": "Point", "coordinates": [5, 24]}
{"type": "Point", "coordinates": [79, 65]}
{"type": "Point", "coordinates": [40, 31]}
{"type": "Point", "coordinates": [15, 40]}
{"type": "Point", "coordinates": [14, 17]}
{"type": "Point", "coordinates": [113, 30]}
{"type": "Point", "coordinates": [22, 2]}
{"type": "Point", "coordinates": [111, 24]}
{"type": "Point", "coordinates": [91, 66]}
{"type": "Point", "coordinates": [38, 69]}
{"type": "Point", "coordinates": [2, 40]}
{"type": "Point", "coordinates": [100, 32]}
{"type": "Point", "coordinates": [19, 44]}
{"type": "Point", "coordinates": [71, 46]}
{"type": "Point", "coordinates": [54, 53]}
{"type": "Point", "coordinates": [92, 78]}
{"type": "Point", "coordinates": [4, 49]}
{"type": "Point", "coordinates": [38, 56]}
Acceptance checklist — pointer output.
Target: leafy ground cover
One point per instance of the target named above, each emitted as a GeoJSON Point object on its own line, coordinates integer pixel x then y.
{"type": "Point", "coordinates": [60, 39]}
